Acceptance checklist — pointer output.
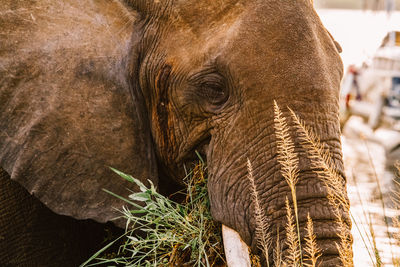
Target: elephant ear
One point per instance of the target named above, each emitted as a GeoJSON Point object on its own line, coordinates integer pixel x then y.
{"type": "Point", "coordinates": [66, 110]}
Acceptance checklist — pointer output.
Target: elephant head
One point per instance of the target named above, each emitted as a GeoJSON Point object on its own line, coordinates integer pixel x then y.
{"type": "Point", "coordinates": [140, 85]}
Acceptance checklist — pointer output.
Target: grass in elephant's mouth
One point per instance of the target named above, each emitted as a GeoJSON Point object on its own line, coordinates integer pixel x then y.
{"type": "Point", "coordinates": [166, 233]}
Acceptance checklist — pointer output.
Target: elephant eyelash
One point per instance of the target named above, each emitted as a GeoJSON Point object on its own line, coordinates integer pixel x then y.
{"type": "Point", "coordinates": [214, 93]}
{"type": "Point", "coordinates": [210, 86]}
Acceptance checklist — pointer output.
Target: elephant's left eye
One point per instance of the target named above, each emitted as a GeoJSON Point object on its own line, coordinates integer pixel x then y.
{"type": "Point", "coordinates": [215, 93]}
{"type": "Point", "coordinates": [212, 89]}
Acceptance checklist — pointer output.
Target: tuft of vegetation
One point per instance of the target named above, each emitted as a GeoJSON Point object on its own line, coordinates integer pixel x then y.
{"type": "Point", "coordinates": [289, 162]}
{"type": "Point", "coordinates": [312, 251]}
{"type": "Point", "coordinates": [292, 240]}
{"type": "Point", "coordinates": [324, 166]}
{"type": "Point", "coordinates": [166, 233]}
{"type": "Point", "coordinates": [262, 222]}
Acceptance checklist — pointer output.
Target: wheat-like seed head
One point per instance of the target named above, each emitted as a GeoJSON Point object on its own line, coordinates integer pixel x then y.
{"type": "Point", "coordinates": [286, 156]}
{"type": "Point", "coordinates": [293, 256]}
{"type": "Point", "coordinates": [312, 250]}
{"type": "Point", "coordinates": [322, 159]}
{"type": "Point", "coordinates": [262, 222]}
{"type": "Point", "coordinates": [288, 160]}
{"type": "Point", "coordinates": [345, 246]}
{"type": "Point", "coordinates": [334, 183]}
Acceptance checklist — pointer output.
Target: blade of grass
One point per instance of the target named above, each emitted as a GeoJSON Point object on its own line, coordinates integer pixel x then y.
{"type": "Point", "coordinates": [365, 218]}
{"type": "Point", "coordinates": [385, 218]}
{"type": "Point", "coordinates": [100, 251]}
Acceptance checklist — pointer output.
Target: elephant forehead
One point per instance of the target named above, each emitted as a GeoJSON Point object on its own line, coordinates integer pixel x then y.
{"type": "Point", "coordinates": [189, 43]}
{"type": "Point", "coordinates": [267, 33]}
{"type": "Point", "coordinates": [198, 15]}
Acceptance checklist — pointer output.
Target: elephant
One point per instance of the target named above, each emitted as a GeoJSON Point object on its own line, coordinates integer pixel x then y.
{"type": "Point", "coordinates": [140, 86]}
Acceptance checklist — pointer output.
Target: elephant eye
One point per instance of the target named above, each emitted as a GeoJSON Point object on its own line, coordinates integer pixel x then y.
{"type": "Point", "coordinates": [213, 92]}
{"type": "Point", "coordinates": [211, 88]}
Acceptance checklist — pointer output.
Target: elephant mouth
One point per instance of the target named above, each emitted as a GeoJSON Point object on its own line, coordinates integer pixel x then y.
{"type": "Point", "coordinates": [199, 148]}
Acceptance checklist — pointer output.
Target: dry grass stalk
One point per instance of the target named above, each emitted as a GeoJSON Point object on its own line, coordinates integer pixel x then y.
{"type": "Point", "coordinates": [396, 195]}
{"type": "Point", "coordinates": [396, 224]}
{"type": "Point", "coordinates": [376, 251]}
{"type": "Point", "coordinates": [262, 228]}
{"type": "Point", "coordinates": [312, 251]}
{"type": "Point", "coordinates": [334, 183]}
{"type": "Point", "coordinates": [365, 218]}
{"type": "Point", "coordinates": [345, 247]}
{"type": "Point", "coordinates": [288, 160]}
{"type": "Point", "coordinates": [278, 250]}
{"type": "Point", "coordinates": [396, 201]}
{"type": "Point", "coordinates": [321, 158]}
{"type": "Point", "coordinates": [293, 256]}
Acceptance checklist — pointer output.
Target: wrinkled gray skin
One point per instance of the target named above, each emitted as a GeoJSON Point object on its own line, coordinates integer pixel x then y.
{"type": "Point", "coordinates": [140, 85]}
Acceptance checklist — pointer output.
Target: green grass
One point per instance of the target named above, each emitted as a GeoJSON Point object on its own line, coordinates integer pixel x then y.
{"type": "Point", "coordinates": [161, 232]}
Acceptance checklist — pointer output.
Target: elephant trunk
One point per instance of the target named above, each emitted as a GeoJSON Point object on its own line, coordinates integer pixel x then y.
{"type": "Point", "coordinates": [232, 193]}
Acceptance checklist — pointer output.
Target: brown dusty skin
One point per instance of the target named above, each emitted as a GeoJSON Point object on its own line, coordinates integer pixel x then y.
{"type": "Point", "coordinates": [141, 85]}
{"type": "Point", "coordinates": [39, 237]}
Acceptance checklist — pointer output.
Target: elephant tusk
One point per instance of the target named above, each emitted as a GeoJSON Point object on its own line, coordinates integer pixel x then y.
{"type": "Point", "coordinates": [236, 251]}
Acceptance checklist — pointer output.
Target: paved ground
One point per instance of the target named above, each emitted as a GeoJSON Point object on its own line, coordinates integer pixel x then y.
{"type": "Point", "coordinates": [364, 156]}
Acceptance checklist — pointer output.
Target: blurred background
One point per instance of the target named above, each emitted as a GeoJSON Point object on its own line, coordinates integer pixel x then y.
{"type": "Point", "coordinates": [369, 34]}
{"type": "Point", "coordinates": [355, 4]}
